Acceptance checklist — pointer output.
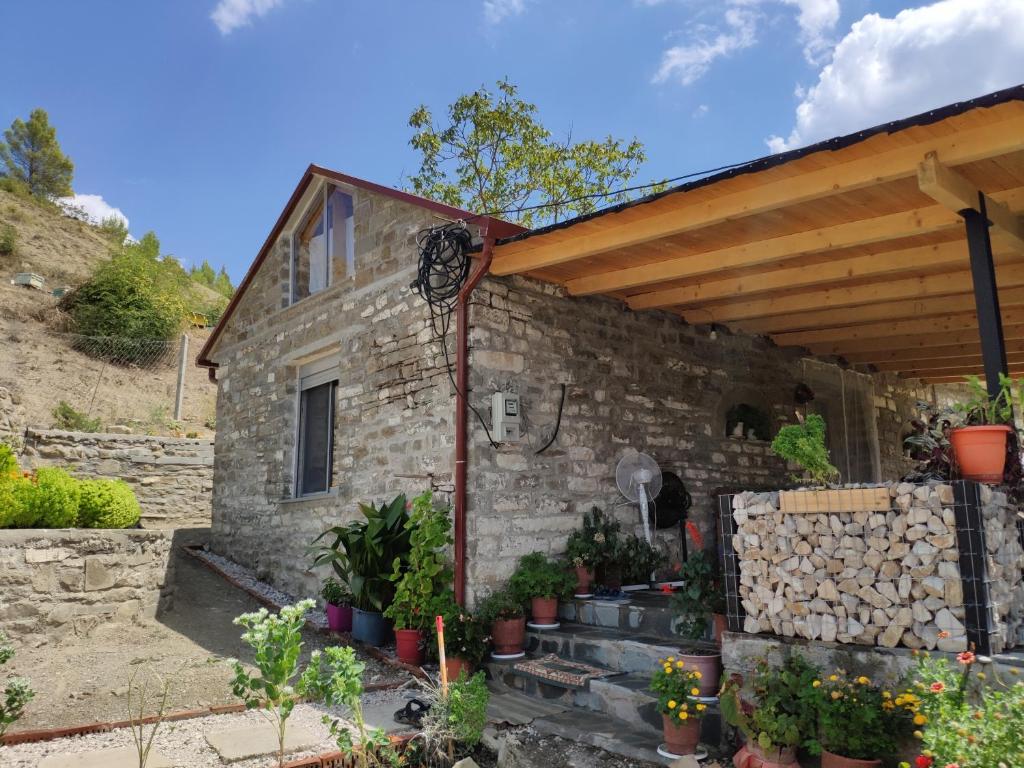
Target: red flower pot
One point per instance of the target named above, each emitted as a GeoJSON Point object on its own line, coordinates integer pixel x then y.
{"type": "Point", "coordinates": [339, 618]}
{"type": "Point", "coordinates": [981, 452]}
{"type": "Point", "coordinates": [409, 646]}
{"type": "Point", "coordinates": [831, 760]}
{"type": "Point", "coordinates": [508, 636]}
{"type": "Point", "coordinates": [584, 578]}
{"type": "Point", "coordinates": [544, 610]}
{"type": "Point", "coordinates": [710, 668]}
{"type": "Point", "coordinates": [681, 736]}
{"type": "Point", "coordinates": [719, 626]}
{"type": "Point", "coordinates": [455, 666]}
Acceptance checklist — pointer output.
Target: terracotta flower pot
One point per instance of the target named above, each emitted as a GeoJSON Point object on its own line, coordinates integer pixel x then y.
{"type": "Point", "coordinates": [409, 646]}
{"type": "Point", "coordinates": [339, 618]}
{"type": "Point", "coordinates": [544, 610]}
{"type": "Point", "coordinates": [611, 576]}
{"type": "Point", "coordinates": [981, 452]}
{"type": "Point", "coordinates": [832, 760]}
{"type": "Point", "coordinates": [681, 737]}
{"type": "Point", "coordinates": [508, 636]}
{"type": "Point", "coordinates": [719, 626]}
{"type": "Point", "coordinates": [710, 668]}
{"type": "Point", "coordinates": [752, 756]}
{"type": "Point", "coordinates": [455, 666]}
{"type": "Point", "coordinates": [584, 578]}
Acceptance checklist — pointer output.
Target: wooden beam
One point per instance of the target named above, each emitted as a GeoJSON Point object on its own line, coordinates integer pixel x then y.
{"type": "Point", "coordinates": [952, 190]}
{"type": "Point", "coordinates": [887, 310]}
{"type": "Point", "coordinates": [920, 221]}
{"type": "Point", "coordinates": [929, 379]}
{"type": "Point", "coordinates": [836, 177]}
{"type": "Point", "coordinates": [954, 372]}
{"type": "Point", "coordinates": [924, 364]}
{"type": "Point", "coordinates": [923, 287]}
{"type": "Point", "coordinates": [915, 340]}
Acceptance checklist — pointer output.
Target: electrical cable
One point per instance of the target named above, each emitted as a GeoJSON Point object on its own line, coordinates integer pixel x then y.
{"type": "Point", "coordinates": [442, 271]}
{"type": "Point", "coordinates": [558, 424]}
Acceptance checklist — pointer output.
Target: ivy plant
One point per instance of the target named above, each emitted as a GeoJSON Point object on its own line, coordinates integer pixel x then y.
{"type": "Point", "coordinates": [804, 445]}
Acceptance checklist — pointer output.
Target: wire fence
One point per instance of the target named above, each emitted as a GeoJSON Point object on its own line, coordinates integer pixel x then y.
{"type": "Point", "coordinates": [125, 352]}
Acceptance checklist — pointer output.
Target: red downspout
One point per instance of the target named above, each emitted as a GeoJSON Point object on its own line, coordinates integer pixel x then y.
{"type": "Point", "coordinates": [462, 414]}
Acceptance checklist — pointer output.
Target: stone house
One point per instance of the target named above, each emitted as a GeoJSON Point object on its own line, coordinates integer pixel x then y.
{"type": "Point", "coordinates": [333, 387]}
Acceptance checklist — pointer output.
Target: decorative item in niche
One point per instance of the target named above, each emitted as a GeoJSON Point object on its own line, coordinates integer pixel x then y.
{"type": "Point", "coordinates": [749, 421]}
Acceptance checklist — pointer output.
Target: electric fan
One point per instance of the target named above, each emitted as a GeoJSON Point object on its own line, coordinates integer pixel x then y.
{"type": "Point", "coordinates": [639, 480]}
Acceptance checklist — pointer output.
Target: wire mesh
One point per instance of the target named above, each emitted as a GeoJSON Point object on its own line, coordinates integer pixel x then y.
{"type": "Point", "coordinates": [123, 351]}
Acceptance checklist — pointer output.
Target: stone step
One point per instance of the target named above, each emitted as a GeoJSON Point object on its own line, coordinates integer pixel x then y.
{"type": "Point", "coordinates": [621, 650]}
{"type": "Point", "coordinates": [646, 612]}
{"type": "Point", "coordinates": [604, 732]}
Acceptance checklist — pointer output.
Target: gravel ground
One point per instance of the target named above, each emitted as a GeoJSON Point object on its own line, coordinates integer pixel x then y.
{"type": "Point", "coordinates": [84, 679]}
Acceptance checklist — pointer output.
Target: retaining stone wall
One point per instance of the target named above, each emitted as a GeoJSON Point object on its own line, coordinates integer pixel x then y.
{"type": "Point", "coordinates": [61, 582]}
{"type": "Point", "coordinates": [12, 417]}
{"type": "Point", "coordinates": [171, 476]}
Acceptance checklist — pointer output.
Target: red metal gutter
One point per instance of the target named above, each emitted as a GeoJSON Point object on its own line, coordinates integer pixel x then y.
{"type": "Point", "coordinates": [462, 412]}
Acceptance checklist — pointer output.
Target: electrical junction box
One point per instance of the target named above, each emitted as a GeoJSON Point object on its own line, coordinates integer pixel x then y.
{"type": "Point", "coordinates": [505, 417]}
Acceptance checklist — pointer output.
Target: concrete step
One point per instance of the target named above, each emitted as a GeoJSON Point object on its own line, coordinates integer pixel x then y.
{"type": "Point", "coordinates": [648, 613]}
{"type": "Point", "coordinates": [603, 732]}
{"type": "Point", "coordinates": [621, 650]}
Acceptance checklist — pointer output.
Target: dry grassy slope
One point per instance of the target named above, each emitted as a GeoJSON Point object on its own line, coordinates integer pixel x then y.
{"type": "Point", "coordinates": [43, 369]}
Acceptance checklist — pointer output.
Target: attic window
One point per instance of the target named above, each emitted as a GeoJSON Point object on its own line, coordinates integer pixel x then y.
{"type": "Point", "coordinates": [323, 245]}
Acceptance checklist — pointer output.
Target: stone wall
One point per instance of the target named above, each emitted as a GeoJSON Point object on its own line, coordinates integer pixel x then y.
{"type": "Point", "coordinates": [171, 476]}
{"type": "Point", "coordinates": [12, 417]}
{"type": "Point", "coordinates": [888, 578]}
{"type": "Point", "coordinates": [57, 583]}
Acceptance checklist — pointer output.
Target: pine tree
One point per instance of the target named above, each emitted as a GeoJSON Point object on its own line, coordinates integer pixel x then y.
{"type": "Point", "coordinates": [222, 284]}
{"type": "Point", "coordinates": [32, 155]}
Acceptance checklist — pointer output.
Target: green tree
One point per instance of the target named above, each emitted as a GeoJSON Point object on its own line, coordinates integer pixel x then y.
{"type": "Point", "coordinates": [203, 274]}
{"type": "Point", "coordinates": [222, 284]}
{"type": "Point", "coordinates": [114, 228]}
{"type": "Point", "coordinates": [31, 154]}
{"type": "Point", "coordinates": [495, 155]}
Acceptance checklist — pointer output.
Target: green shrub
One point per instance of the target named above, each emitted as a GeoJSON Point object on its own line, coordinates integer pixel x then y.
{"type": "Point", "coordinates": [105, 503]}
{"type": "Point", "coordinates": [537, 576]}
{"type": "Point", "coordinates": [461, 715]}
{"type": "Point", "coordinates": [8, 463]}
{"type": "Point", "coordinates": [804, 445]}
{"type": "Point", "coordinates": [8, 240]}
{"type": "Point", "coordinates": [66, 417]}
{"type": "Point", "coordinates": [52, 499]}
{"type": "Point", "coordinates": [14, 511]}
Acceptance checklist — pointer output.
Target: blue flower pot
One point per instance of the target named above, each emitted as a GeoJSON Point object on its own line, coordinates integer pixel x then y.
{"type": "Point", "coordinates": [369, 627]}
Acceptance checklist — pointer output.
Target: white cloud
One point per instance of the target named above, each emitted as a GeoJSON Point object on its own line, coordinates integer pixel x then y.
{"type": "Point", "coordinates": [688, 63]}
{"type": "Point", "coordinates": [738, 29]}
{"type": "Point", "coordinates": [701, 110]}
{"type": "Point", "coordinates": [95, 208]}
{"type": "Point", "coordinates": [229, 15]}
{"type": "Point", "coordinates": [889, 68]}
{"type": "Point", "coordinates": [496, 11]}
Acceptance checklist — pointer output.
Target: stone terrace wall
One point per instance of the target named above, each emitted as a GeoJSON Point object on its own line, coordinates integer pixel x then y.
{"type": "Point", "coordinates": [889, 578]}
{"type": "Point", "coordinates": [172, 477]}
{"type": "Point", "coordinates": [61, 582]}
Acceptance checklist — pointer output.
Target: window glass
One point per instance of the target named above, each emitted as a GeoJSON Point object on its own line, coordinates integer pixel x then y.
{"type": "Point", "coordinates": [309, 255]}
{"type": "Point", "coordinates": [316, 438]}
{"type": "Point", "coordinates": [341, 235]}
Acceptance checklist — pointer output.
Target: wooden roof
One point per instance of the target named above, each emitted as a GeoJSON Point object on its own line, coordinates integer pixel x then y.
{"type": "Point", "coordinates": [852, 247]}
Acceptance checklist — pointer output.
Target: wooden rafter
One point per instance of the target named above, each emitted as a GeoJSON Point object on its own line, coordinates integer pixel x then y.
{"type": "Point", "coordinates": [927, 363]}
{"type": "Point", "coordinates": [934, 334]}
{"type": "Point", "coordinates": [964, 146]}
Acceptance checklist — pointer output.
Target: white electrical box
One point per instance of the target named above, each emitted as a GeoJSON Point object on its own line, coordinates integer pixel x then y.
{"type": "Point", "coordinates": [505, 417]}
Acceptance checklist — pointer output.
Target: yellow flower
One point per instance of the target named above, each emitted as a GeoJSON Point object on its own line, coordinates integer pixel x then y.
{"type": "Point", "coordinates": [918, 735]}
{"type": "Point", "coordinates": [863, 680]}
{"type": "Point", "coordinates": [816, 684]}
{"type": "Point", "coordinates": [683, 715]}
{"type": "Point", "coordinates": [672, 704]}
{"type": "Point", "coordinates": [698, 674]}
{"type": "Point", "coordinates": [685, 705]}
{"type": "Point", "coordinates": [904, 764]}
{"type": "Point", "coordinates": [695, 691]}
{"type": "Point", "coordinates": [886, 695]}
{"type": "Point", "coordinates": [701, 707]}
{"type": "Point", "coordinates": [670, 659]}
{"type": "Point", "coordinates": [833, 678]}
{"type": "Point", "coordinates": [679, 664]}
{"type": "Point", "coordinates": [836, 695]}
{"type": "Point", "coordinates": [668, 669]}
{"type": "Point", "coordinates": [920, 719]}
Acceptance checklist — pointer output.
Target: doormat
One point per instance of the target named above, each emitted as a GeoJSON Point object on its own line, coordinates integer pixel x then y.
{"type": "Point", "coordinates": [558, 671]}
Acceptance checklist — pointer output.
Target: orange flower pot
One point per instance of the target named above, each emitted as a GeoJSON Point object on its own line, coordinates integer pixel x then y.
{"type": "Point", "coordinates": [832, 760]}
{"type": "Point", "coordinates": [710, 668]}
{"type": "Point", "coordinates": [455, 666]}
{"type": "Point", "coordinates": [584, 578]}
{"type": "Point", "coordinates": [409, 646]}
{"type": "Point", "coordinates": [981, 452]}
{"type": "Point", "coordinates": [752, 756]}
{"type": "Point", "coordinates": [544, 610]}
{"type": "Point", "coordinates": [508, 636]}
{"type": "Point", "coordinates": [681, 737]}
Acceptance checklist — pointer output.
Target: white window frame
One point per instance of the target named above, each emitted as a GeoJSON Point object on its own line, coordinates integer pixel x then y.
{"type": "Point", "coordinates": [321, 196]}
{"type": "Point", "coordinates": [310, 375]}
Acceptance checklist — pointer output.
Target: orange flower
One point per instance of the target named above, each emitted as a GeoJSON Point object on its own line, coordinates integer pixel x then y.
{"type": "Point", "coordinates": [938, 687]}
{"type": "Point", "coordinates": [695, 534]}
{"type": "Point", "coordinates": [965, 658]}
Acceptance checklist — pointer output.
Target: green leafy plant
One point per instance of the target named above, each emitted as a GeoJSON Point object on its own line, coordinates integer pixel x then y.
{"type": "Point", "coordinates": [17, 692]}
{"type": "Point", "coordinates": [605, 533]}
{"type": "Point", "coordinates": [465, 634]}
{"type": "Point", "coordinates": [8, 240]}
{"type": "Point", "coordinates": [106, 503]}
{"type": "Point", "coordinates": [423, 576]}
{"type": "Point", "coordinates": [335, 593]}
{"type": "Point", "coordinates": [860, 720]}
{"type": "Point", "coordinates": [804, 445]}
{"type": "Point", "coordinates": [363, 552]}
{"type": "Point", "coordinates": [538, 576]}
{"type": "Point", "coordinates": [639, 560]}
{"type": "Point", "coordinates": [458, 717]}
{"type": "Point", "coordinates": [52, 499]}
{"type": "Point", "coordinates": [979, 408]}
{"type": "Point", "coordinates": [65, 416]}
{"type": "Point", "coordinates": [784, 713]}
{"type": "Point", "coordinates": [677, 688]}
{"type": "Point", "coordinates": [14, 509]}
{"type": "Point", "coordinates": [8, 463]}
{"type": "Point", "coordinates": [501, 605]}
{"type": "Point", "coordinates": [700, 595]}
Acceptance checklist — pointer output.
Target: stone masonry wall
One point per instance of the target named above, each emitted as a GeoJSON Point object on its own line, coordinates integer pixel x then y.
{"type": "Point", "coordinates": [172, 477]}
{"type": "Point", "coordinates": [641, 380]}
{"type": "Point", "coordinates": [57, 583]}
{"type": "Point", "coordinates": [12, 417]}
{"type": "Point", "coordinates": [1004, 564]}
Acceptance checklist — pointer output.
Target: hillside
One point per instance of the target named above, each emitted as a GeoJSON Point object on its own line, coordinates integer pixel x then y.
{"type": "Point", "coordinates": [38, 361]}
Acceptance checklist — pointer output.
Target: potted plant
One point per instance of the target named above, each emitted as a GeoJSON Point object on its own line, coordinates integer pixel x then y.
{"type": "Point", "coordinates": [695, 603]}
{"type": "Point", "coordinates": [781, 718]}
{"type": "Point", "coordinates": [542, 582]}
{"type": "Point", "coordinates": [465, 640]}
{"type": "Point", "coordinates": [503, 612]}
{"type": "Point", "coordinates": [638, 561]}
{"type": "Point", "coordinates": [338, 603]}
{"type": "Point", "coordinates": [607, 565]}
{"type": "Point", "coordinates": [421, 578]}
{"type": "Point", "coordinates": [583, 553]}
{"type": "Point", "coordinates": [979, 444]}
{"type": "Point", "coordinates": [363, 555]}
{"type": "Point", "coordinates": [859, 724]}
{"type": "Point", "coordinates": [676, 684]}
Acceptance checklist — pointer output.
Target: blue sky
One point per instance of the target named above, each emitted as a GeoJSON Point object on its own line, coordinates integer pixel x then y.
{"type": "Point", "coordinates": [196, 118]}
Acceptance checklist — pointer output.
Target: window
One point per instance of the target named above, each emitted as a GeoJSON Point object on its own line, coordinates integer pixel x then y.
{"type": "Point", "coordinates": [315, 450]}
{"type": "Point", "coordinates": [323, 246]}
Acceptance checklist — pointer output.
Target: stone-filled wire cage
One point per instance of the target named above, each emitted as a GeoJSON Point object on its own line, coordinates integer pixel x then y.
{"type": "Point", "coordinates": [930, 566]}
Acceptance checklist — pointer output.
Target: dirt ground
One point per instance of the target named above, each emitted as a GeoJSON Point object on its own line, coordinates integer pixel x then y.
{"type": "Point", "coordinates": [84, 680]}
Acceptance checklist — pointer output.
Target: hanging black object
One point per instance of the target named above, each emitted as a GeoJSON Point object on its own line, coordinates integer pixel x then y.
{"type": "Point", "coordinates": [803, 394]}
{"type": "Point", "coordinates": [672, 502]}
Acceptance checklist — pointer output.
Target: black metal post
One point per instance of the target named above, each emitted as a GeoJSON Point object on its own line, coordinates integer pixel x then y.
{"type": "Point", "coordinates": [986, 295]}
